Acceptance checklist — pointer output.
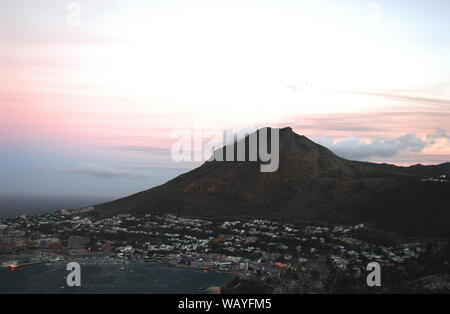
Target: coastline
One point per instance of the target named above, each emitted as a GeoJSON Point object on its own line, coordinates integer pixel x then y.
{"type": "Point", "coordinates": [134, 277]}
{"type": "Point", "coordinates": [214, 290]}
{"type": "Point", "coordinates": [211, 289]}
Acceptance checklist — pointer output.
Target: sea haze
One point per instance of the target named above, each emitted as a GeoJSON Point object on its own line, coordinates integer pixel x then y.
{"type": "Point", "coordinates": [27, 204]}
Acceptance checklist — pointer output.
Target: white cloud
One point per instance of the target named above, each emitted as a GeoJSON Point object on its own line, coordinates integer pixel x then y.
{"type": "Point", "coordinates": [440, 133]}
{"type": "Point", "coordinates": [355, 149]}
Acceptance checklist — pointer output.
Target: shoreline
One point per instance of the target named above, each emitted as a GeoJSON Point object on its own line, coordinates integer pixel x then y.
{"type": "Point", "coordinates": [211, 289]}
{"type": "Point", "coordinates": [214, 289]}
{"type": "Point", "coordinates": [93, 260]}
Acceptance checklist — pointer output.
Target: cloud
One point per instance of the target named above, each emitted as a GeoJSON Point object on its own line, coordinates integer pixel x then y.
{"type": "Point", "coordinates": [104, 172]}
{"type": "Point", "coordinates": [394, 121]}
{"type": "Point", "coordinates": [148, 149]}
{"type": "Point", "coordinates": [402, 97]}
{"type": "Point", "coordinates": [355, 149]}
{"type": "Point", "coordinates": [440, 133]}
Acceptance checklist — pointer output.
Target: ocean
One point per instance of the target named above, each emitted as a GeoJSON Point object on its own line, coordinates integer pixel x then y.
{"type": "Point", "coordinates": [18, 204]}
{"type": "Point", "coordinates": [135, 277]}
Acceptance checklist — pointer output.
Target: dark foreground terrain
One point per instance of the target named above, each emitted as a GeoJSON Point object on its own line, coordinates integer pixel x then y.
{"type": "Point", "coordinates": [118, 254]}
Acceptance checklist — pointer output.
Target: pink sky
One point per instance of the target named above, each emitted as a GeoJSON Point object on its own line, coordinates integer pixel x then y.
{"type": "Point", "coordinates": [110, 91]}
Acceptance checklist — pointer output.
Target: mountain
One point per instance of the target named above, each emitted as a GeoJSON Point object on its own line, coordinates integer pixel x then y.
{"type": "Point", "coordinates": [421, 170]}
{"type": "Point", "coordinates": [311, 184]}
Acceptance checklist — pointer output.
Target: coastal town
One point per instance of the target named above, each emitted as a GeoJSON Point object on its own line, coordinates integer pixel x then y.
{"type": "Point", "coordinates": [272, 256]}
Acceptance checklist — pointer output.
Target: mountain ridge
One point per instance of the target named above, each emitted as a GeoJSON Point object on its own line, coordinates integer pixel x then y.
{"type": "Point", "coordinates": [311, 184]}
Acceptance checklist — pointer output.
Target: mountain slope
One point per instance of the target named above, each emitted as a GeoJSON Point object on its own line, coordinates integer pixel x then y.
{"type": "Point", "coordinates": [311, 184]}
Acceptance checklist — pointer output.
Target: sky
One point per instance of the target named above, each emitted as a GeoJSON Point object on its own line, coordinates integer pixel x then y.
{"type": "Point", "coordinates": [92, 90]}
